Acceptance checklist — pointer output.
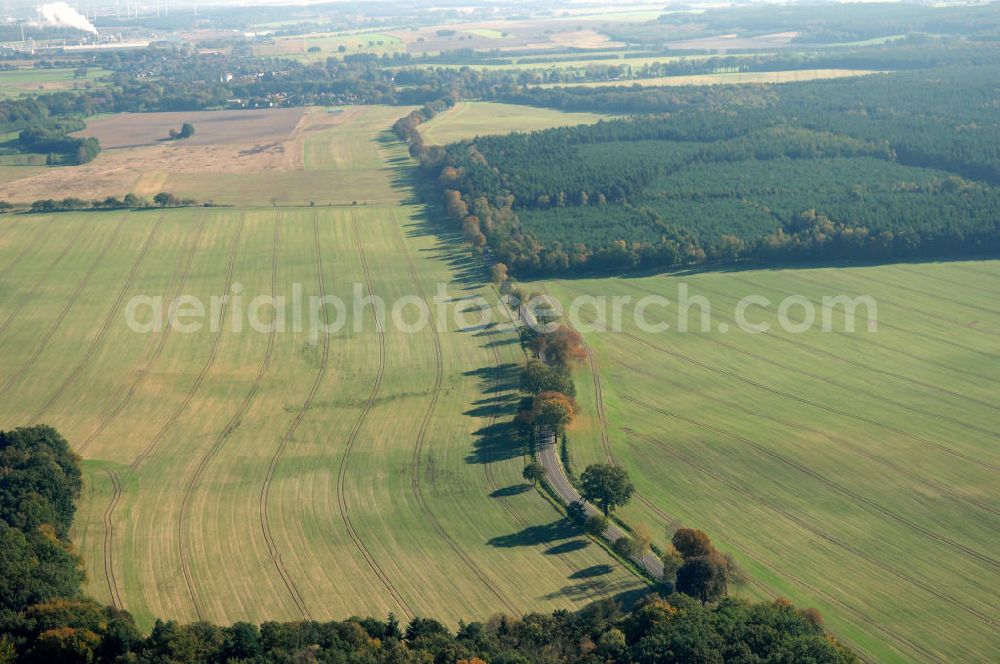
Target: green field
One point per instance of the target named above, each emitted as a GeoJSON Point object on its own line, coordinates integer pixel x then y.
{"type": "Point", "coordinates": [16, 82]}
{"type": "Point", "coordinates": [329, 45]}
{"type": "Point", "coordinates": [477, 118]}
{"type": "Point", "coordinates": [731, 78]}
{"type": "Point", "coordinates": [854, 472]}
{"type": "Point", "coordinates": [245, 475]}
{"type": "Point", "coordinates": [578, 63]}
{"type": "Point", "coordinates": [486, 32]}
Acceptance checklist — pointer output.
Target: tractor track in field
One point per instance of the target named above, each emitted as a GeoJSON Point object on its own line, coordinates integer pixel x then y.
{"type": "Point", "coordinates": [595, 376]}
{"type": "Point", "coordinates": [352, 437]}
{"type": "Point", "coordinates": [33, 288]}
{"type": "Point", "coordinates": [109, 570]}
{"type": "Point", "coordinates": [591, 592]}
{"type": "Point", "coordinates": [897, 305]}
{"type": "Point", "coordinates": [674, 523]}
{"type": "Point", "coordinates": [422, 434]}
{"type": "Point", "coordinates": [5, 227]}
{"type": "Point", "coordinates": [146, 451]}
{"type": "Point", "coordinates": [16, 377]}
{"type": "Point", "coordinates": [830, 381]}
{"type": "Point", "coordinates": [865, 618]}
{"type": "Point", "coordinates": [606, 439]}
{"type": "Point", "coordinates": [835, 486]}
{"type": "Point", "coordinates": [859, 418]}
{"type": "Point", "coordinates": [164, 335]}
{"type": "Point", "coordinates": [32, 243]}
{"type": "Point", "coordinates": [492, 421]}
{"type": "Point", "coordinates": [985, 291]}
{"type": "Point", "coordinates": [807, 526]}
{"type": "Point", "coordinates": [488, 465]}
{"type": "Point", "coordinates": [860, 365]}
{"type": "Point", "coordinates": [858, 449]}
{"type": "Point", "coordinates": [231, 426]}
{"type": "Point", "coordinates": [916, 358]}
{"type": "Point", "coordinates": [812, 350]}
{"type": "Point", "coordinates": [98, 341]}
{"type": "Point", "coordinates": [193, 389]}
{"type": "Point", "coordinates": [265, 489]}
{"type": "Point", "coordinates": [794, 397]}
{"type": "Point", "coordinates": [966, 268]}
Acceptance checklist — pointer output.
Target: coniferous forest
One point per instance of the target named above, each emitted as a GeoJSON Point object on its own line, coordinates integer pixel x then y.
{"type": "Point", "coordinates": [878, 167]}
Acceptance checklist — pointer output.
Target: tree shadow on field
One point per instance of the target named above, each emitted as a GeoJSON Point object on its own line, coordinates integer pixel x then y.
{"type": "Point", "coordinates": [567, 547]}
{"type": "Point", "coordinates": [512, 490]}
{"type": "Point", "coordinates": [548, 533]}
{"type": "Point", "coordinates": [431, 221]}
{"type": "Point", "coordinates": [495, 442]}
{"type": "Point", "coordinates": [499, 440]}
{"type": "Point", "coordinates": [591, 572]}
{"type": "Point", "coordinates": [629, 598]}
{"type": "Point", "coordinates": [505, 378]}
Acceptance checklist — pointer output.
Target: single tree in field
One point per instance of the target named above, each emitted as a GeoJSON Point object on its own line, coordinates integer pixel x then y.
{"type": "Point", "coordinates": [534, 472]}
{"type": "Point", "coordinates": [577, 512]}
{"type": "Point", "coordinates": [133, 201]}
{"type": "Point", "coordinates": [626, 547]}
{"type": "Point", "coordinates": [187, 130]}
{"type": "Point", "coordinates": [691, 543]}
{"type": "Point", "coordinates": [498, 273]}
{"type": "Point", "coordinates": [164, 199]}
{"type": "Point", "coordinates": [539, 377]}
{"type": "Point", "coordinates": [703, 577]}
{"type": "Point", "coordinates": [642, 539]}
{"type": "Point", "coordinates": [595, 524]}
{"type": "Point", "coordinates": [552, 409]}
{"type": "Point", "coordinates": [606, 486]}
{"type": "Point", "coordinates": [672, 561]}
{"type": "Point", "coordinates": [735, 574]}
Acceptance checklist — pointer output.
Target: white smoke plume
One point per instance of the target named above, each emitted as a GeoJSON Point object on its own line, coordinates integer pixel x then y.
{"type": "Point", "coordinates": [62, 15]}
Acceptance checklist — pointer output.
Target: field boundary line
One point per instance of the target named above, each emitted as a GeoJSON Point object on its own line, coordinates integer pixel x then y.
{"type": "Point", "coordinates": [230, 427]}
{"type": "Point", "coordinates": [265, 489]}
{"type": "Point", "coordinates": [425, 424]}
{"type": "Point", "coordinates": [355, 431]}
{"type": "Point", "coordinates": [98, 341]}
{"type": "Point", "coordinates": [144, 372]}
{"type": "Point", "coordinates": [18, 375]}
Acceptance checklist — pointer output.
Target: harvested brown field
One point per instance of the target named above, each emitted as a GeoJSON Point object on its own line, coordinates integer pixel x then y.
{"type": "Point", "coordinates": [128, 130]}
{"type": "Point", "coordinates": [734, 42]}
{"type": "Point", "coordinates": [235, 157]}
{"type": "Point", "coordinates": [732, 78]}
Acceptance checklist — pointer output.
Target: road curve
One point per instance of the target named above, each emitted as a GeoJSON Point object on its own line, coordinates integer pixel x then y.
{"type": "Point", "coordinates": [555, 473]}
